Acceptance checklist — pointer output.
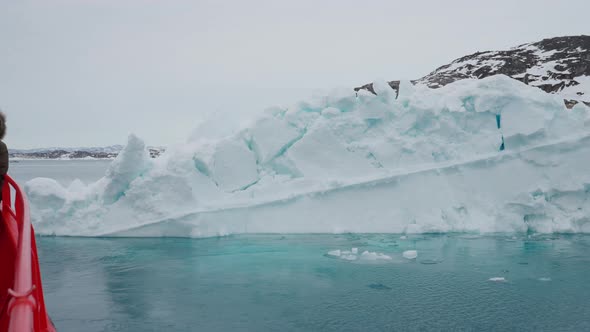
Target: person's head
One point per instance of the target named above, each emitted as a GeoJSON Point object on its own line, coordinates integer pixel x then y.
{"type": "Point", "coordinates": [2, 125]}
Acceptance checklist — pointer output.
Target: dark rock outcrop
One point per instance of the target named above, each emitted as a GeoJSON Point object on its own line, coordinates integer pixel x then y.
{"type": "Point", "coordinates": [559, 65]}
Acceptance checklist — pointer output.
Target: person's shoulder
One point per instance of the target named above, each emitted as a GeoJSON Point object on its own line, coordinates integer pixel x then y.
{"type": "Point", "coordinates": [3, 146]}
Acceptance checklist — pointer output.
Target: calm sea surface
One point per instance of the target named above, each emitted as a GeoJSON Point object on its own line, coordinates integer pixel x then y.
{"type": "Point", "coordinates": [290, 283]}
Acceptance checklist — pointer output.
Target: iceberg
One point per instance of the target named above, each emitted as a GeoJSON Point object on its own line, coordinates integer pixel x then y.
{"type": "Point", "coordinates": [483, 156]}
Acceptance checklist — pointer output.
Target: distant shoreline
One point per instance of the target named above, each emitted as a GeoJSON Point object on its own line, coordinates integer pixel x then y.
{"type": "Point", "coordinates": [17, 159]}
{"type": "Point", "coordinates": [104, 153]}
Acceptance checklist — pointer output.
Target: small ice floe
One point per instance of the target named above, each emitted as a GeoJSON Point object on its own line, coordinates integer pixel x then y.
{"type": "Point", "coordinates": [544, 279]}
{"type": "Point", "coordinates": [497, 279]}
{"type": "Point", "coordinates": [335, 253]}
{"type": "Point", "coordinates": [374, 256]}
{"type": "Point", "coordinates": [403, 237]}
{"type": "Point", "coordinates": [342, 254]}
{"type": "Point", "coordinates": [353, 254]}
{"type": "Point", "coordinates": [410, 254]}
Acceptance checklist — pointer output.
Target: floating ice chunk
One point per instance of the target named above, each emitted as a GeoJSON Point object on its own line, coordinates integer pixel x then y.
{"type": "Point", "coordinates": [497, 279]}
{"type": "Point", "coordinates": [403, 237]}
{"type": "Point", "coordinates": [343, 254]}
{"type": "Point", "coordinates": [374, 256]}
{"type": "Point", "coordinates": [410, 254]}
{"type": "Point", "coordinates": [544, 279]}
{"type": "Point", "coordinates": [353, 254]}
{"type": "Point", "coordinates": [335, 253]}
{"type": "Point", "coordinates": [349, 256]}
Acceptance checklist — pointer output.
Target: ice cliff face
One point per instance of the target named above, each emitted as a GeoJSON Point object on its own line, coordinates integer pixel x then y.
{"type": "Point", "coordinates": [558, 65]}
{"type": "Point", "coordinates": [476, 155]}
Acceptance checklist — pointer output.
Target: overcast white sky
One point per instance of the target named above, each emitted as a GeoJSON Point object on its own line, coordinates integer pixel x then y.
{"type": "Point", "coordinates": [89, 72]}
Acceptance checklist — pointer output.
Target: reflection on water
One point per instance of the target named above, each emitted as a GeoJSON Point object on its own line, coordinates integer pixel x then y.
{"type": "Point", "coordinates": [274, 282]}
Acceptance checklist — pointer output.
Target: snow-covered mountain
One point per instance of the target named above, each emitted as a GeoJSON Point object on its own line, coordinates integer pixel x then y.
{"type": "Point", "coordinates": [106, 152]}
{"type": "Point", "coordinates": [559, 65]}
{"type": "Point", "coordinates": [103, 149]}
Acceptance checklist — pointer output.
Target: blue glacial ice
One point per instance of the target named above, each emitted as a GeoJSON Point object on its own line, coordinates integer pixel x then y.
{"type": "Point", "coordinates": [490, 155]}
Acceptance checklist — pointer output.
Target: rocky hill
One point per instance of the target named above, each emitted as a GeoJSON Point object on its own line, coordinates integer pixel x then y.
{"type": "Point", "coordinates": [109, 152]}
{"type": "Point", "coordinates": [559, 65]}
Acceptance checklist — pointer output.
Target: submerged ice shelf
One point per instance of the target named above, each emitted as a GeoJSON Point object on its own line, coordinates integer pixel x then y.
{"type": "Point", "coordinates": [490, 155]}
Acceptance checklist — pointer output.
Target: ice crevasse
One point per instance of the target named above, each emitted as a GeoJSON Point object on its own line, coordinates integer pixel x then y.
{"type": "Point", "coordinates": [490, 155]}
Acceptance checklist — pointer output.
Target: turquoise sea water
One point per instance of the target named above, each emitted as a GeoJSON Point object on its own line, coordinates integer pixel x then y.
{"type": "Point", "coordinates": [64, 171]}
{"type": "Point", "coordinates": [289, 283]}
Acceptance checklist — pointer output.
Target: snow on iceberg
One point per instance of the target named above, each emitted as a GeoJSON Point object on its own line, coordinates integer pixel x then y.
{"type": "Point", "coordinates": [490, 155]}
